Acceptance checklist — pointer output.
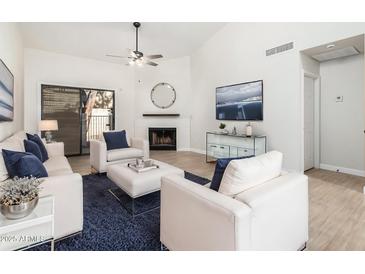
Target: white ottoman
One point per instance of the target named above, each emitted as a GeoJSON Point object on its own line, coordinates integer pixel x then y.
{"type": "Point", "coordinates": [138, 184]}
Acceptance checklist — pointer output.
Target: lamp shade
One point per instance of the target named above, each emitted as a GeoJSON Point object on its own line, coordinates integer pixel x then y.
{"type": "Point", "coordinates": [47, 125]}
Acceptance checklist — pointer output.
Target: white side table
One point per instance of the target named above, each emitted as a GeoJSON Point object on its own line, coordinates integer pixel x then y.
{"type": "Point", "coordinates": [33, 230]}
{"type": "Point", "coordinates": [55, 149]}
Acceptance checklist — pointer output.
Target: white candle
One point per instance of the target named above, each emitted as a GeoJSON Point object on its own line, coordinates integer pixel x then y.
{"type": "Point", "coordinates": [248, 130]}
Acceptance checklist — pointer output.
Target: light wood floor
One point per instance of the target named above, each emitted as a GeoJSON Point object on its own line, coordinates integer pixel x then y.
{"type": "Point", "coordinates": [336, 201]}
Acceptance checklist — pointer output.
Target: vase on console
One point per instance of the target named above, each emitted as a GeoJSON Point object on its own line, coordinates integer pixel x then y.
{"type": "Point", "coordinates": [249, 130]}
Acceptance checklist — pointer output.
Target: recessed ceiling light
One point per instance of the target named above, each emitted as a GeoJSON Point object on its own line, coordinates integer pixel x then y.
{"type": "Point", "coordinates": [330, 46]}
{"type": "Point", "coordinates": [336, 53]}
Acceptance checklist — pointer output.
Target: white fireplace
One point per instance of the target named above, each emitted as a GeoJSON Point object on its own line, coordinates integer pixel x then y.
{"type": "Point", "coordinates": [182, 126]}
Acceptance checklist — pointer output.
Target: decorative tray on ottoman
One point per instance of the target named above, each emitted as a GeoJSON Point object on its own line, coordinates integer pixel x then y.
{"type": "Point", "coordinates": [142, 166]}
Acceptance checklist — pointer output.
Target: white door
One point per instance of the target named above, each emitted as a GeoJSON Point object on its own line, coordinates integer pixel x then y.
{"type": "Point", "coordinates": [308, 123]}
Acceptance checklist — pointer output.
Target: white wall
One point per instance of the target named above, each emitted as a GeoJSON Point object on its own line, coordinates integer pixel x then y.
{"type": "Point", "coordinates": [132, 85]}
{"type": "Point", "coordinates": [236, 53]}
{"type": "Point", "coordinates": [52, 68]}
{"type": "Point", "coordinates": [175, 72]}
{"type": "Point", "coordinates": [310, 65]}
{"type": "Point", "coordinates": [342, 123]}
{"type": "Point", "coordinates": [11, 52]}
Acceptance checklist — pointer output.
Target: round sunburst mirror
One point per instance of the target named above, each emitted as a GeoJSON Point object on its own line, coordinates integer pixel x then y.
{"type": "Point", "coordinates": [163, 95]}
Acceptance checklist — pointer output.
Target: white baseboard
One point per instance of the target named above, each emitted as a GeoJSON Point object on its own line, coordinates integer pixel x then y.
{"type": "Point", "coordinates": [183, 149]}
{"type": "Point", "coordinates": [346, 170]}
{"type": "Point", "coordinates": [200, 151]}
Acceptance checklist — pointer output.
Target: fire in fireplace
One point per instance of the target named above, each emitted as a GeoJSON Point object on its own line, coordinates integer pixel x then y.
{"type": "Point", "coordinates": [162, 138]}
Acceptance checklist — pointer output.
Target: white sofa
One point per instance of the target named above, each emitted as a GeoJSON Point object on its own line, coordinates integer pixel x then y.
{"type": "Point", "coordinates": [100, 157]}
{"type": "Point", "coordinates": [62, 183]}
{"type": "Point", "coordinates": [270, 216]}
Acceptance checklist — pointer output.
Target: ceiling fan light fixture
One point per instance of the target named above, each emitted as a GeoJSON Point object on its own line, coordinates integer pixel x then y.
{"type": "Point", "coordinates": [136, 56]}
{"type": "Point", "coordinates": [139, 62]}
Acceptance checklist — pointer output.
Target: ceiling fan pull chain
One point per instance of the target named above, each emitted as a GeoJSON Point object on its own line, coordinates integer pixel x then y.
{"type": "Point", "coordinates": [136, 38]}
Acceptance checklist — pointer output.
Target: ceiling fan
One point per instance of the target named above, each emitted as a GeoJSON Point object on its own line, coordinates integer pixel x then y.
{"type": "Point", "coordinates": [137, 57]}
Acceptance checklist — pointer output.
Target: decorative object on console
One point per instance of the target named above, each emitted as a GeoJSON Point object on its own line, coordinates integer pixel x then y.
{"type": "Point", "coordinates": [219, 145]}
{"type": "Point", "coordinates": [35, 138]}
{"type": "Point", "coordinates": [19, 197]}
{"type": "Point", "coordinates": [234, 131]}
{"type": "Point", "coordinates": [115, 139]}
{"type": "Point", "coordinates": [163, 95]}
{"type": "Point", "coordinates": [249, 130]}
{"type": "Point", "coordinates": [222, 126]}
{"type": "Point", "coordinates": [6, 93]}
{"type": "Point", "coordinates": [48, 126]}
{"type": "Point", "coordinates": [23, 164]}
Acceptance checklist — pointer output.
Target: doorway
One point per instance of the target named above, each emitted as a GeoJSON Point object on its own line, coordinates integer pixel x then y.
{"type": "Point", "coordinates": [309, 122]}
{"type": "Point", "coordinates": [337, 70]}
{"type": "Point", "coordinates": [82, 115]}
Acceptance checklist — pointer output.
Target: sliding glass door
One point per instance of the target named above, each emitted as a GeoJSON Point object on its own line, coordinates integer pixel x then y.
{"type": "Point", "coordinates": [82, 114]}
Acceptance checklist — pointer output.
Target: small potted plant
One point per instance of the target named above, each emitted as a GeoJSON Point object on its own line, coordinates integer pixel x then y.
{"type": "Point", "coordinates": [222, 126]}
{"type": "Point", "coordinates": [19, 197]}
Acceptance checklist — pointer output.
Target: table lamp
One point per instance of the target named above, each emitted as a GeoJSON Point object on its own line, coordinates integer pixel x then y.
{"type": "Point", "coordinates": [48, 126]}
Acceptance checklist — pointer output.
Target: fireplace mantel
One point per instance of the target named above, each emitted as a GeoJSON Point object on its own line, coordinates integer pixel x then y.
{"type": "Point", "coordinates": [160, 114]}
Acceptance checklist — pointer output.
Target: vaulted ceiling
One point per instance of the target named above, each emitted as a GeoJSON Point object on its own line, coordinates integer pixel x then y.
{"type": "Point", "coordinates": [94, 40]}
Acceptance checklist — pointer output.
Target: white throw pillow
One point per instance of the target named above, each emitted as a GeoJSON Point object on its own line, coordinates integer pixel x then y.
{"type": "Point", "coordinates": [243, 174]}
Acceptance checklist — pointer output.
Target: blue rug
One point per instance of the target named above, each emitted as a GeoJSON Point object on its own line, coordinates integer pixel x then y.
{"type": "Point", "coordinates": [109, 226]}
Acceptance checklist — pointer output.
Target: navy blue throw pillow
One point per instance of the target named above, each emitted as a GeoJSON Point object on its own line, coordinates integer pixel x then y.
{"type": "Point", "coordinates": [23, 164]}
{"type": "Point", "coordinates": [33, 148]}
{"type": "Point", "coordinates": [220, 167]}
{"type": "Point", "coordinates": [115, 139]}
{"type": "Point", "coordinates": [30, 165]}
{"type": "Point", "coordinates": [35, 138]}
{"type": "Point", "coordinates": [11, 158]}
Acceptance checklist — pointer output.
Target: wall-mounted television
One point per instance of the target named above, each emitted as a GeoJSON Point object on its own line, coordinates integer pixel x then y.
{"type": "Point", "coordinates": [240, 102]}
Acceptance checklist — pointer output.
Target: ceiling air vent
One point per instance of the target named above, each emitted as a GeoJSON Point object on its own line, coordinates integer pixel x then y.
{"type": "Point", "coordinates": [279, 49]}
{"type": "Point", "coordinates": [335, 54]}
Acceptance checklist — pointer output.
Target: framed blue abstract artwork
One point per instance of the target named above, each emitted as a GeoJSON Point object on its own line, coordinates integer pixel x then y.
{"type": "Point", "coordinates": [6, 93]}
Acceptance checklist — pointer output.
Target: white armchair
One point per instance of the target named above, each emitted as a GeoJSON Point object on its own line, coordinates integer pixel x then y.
{"type": "Point", "coordinates": [270, 216]}
{"type": "Point", "coordinates": [100, 157]}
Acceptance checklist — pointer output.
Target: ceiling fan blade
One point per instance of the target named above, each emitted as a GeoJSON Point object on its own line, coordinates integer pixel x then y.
{"type": "Point", "coordinates": [116, 56]}
{"type": "Point", "coordinates": [151, 63]}
{"type": "Point", "coordinates": [154, 56]}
